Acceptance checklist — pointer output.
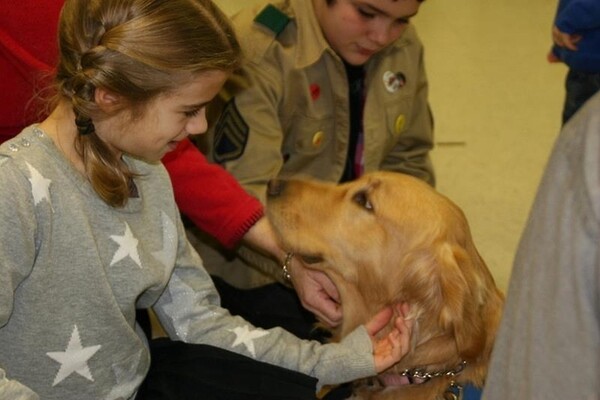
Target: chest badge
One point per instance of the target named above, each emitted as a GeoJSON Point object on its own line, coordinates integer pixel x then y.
{"type": "Point", "coordinates": [393, 81]}
{"type": "Point", "coordinates": [315, 91]}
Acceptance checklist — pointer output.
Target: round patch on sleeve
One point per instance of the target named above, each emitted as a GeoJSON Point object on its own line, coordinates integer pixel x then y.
{"type": "Point", "coordinates": [231, 134]}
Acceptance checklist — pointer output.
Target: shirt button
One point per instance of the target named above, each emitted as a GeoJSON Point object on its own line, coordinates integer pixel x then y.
{"type": "Point", "coordinates": [400, 122]}
{"type": "Point", "coordinates": [317, 139]}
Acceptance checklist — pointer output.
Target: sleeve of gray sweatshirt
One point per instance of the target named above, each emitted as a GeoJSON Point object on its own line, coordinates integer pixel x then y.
{"type": "Point", "coordinates": [17, 220]}
{"type": "Point", "coordinates": [189, 311]}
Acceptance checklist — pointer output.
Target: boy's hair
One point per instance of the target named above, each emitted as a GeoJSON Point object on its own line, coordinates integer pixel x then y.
{"type": "Point", "coordinates": [138, 50]}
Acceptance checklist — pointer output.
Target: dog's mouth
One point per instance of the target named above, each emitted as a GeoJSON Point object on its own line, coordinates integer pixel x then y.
{"type": "Point", "coordinates": [392, 379]}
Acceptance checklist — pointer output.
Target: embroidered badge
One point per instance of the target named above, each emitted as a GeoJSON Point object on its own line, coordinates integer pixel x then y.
{"type": "Point", "coordinates": [273, 19]}
{"type": "Point", "coordinates": [231, 134]}
{"type": "Point", "coordinates": [393, 81]}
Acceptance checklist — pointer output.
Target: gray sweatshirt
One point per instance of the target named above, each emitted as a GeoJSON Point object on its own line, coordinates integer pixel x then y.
{"type": "Point", "coordinates": [73, 270]}
{"type": "Point", "coordinates": [548, 346]}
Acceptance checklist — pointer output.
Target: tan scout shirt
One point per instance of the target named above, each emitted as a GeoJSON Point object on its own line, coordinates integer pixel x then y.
{"type": "Point", "coordinates": [294, 117]}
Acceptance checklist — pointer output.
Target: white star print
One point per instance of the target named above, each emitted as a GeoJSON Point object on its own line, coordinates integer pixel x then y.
{"type": "Point", "coordinates": [74, 358]}
{"type": "Point", "coordinates": [40, 186]}
{"type": "Point", "coordinates": [127, 247]}
{"type": "Point", "coordinates": [246, 337]}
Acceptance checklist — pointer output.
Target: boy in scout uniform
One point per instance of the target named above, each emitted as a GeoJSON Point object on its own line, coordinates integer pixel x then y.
{"type": "Point", "coordinates": [331, 89]}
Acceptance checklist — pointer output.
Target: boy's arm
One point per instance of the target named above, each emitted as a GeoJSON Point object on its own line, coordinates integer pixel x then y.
{"type": "Point", "coordinates": [579, 16]}
{"type": "Point", "coordinates": [210, 196]}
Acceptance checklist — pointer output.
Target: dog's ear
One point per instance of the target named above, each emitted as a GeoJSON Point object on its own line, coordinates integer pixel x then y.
{"type": "Point", "coordinates": [459, 312]}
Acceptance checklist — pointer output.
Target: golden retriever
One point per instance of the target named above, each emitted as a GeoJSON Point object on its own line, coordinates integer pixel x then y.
{"type": "Point", "coordinates": [388, 238]}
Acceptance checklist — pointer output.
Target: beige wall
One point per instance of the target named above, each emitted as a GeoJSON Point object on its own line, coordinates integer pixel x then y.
{"type": "Point", "coordinates": [231, 6]}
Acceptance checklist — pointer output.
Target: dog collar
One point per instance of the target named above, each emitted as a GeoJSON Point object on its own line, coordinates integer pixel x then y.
{"type": "Point", "coordinates": [420, 375]}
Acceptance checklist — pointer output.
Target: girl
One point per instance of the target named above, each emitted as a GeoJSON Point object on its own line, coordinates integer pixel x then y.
{"type": "Point", "coordinates": [89, 230]}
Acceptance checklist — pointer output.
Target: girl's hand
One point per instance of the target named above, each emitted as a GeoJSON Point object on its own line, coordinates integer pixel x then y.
{"type": "Point", "coordinates": [388, 350]}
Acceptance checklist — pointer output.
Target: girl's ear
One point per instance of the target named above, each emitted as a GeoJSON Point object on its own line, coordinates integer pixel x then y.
{"type": "Point", "coordinates": [106, 100]}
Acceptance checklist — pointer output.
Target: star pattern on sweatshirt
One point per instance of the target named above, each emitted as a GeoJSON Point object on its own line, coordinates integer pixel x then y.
{"type": "Point", "coordinates": [183, 298]}
{"type": "Point", "coordinates": [127, 377]}
{"type": "Point", "coordinates": [245, 336]}
{"type": "Point", "coordinates": [40, 186]}
{"type": "Point", "coordinates": [169, 239]}
{"type": "Point", "coordinates": [128, 247]}
{"type": "Point", "coordinates": [74, 359]}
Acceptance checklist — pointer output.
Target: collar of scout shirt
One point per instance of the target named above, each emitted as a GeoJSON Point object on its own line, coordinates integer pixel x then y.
{"type": "Point", "coordinates": [310, 32]}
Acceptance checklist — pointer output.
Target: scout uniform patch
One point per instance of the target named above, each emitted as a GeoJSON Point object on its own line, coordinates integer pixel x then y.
{"type": "Point", "coordinates": [273, 19]}
{"type": "Point", "coordinates": [231, 131]}
{"type": "Point", "coordinates": [231, 134]}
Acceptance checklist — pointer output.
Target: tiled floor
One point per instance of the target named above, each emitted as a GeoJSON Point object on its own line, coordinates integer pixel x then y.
{"type": "Point", "coordinates": [497, 105]}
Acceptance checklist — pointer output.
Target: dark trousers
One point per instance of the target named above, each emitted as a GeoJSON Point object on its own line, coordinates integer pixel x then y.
{"type": "Point", "coordinates": [269, 306]}
{"type": "Point", "coordinates": [181, 371]}
{"type": "Point", "coordinates": [580, 86]}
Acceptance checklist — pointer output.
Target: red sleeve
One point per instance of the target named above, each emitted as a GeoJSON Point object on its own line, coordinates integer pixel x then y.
{"type": "Point", "coordinates": [210, 196]}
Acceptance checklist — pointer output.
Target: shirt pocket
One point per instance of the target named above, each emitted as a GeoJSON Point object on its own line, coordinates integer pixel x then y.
{"type": "Point", "coordinates": [309, 136]}
{"type": "Point", "coordinates": [398, 115]}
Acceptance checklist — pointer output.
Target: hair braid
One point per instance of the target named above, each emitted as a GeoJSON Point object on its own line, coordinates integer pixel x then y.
{"type": "Point", "coordinates": [136, 49]}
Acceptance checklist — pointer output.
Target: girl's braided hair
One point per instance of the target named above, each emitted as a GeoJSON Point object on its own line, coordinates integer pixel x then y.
{"type": "Point", "coordinates": [136, 49]}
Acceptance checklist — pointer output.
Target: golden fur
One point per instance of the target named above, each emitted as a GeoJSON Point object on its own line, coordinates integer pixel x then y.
{"type": "Point", "coordinates": [389, 238]}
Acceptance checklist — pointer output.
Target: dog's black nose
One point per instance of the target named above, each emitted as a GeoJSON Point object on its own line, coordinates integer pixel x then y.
{"type": "Point", "coordinates": [275, 187]}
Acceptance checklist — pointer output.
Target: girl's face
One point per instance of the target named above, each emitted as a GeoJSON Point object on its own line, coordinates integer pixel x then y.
{"type": "Point", "coordinates": [358, 29]}
{"type": "Point", "coordinates": [166, 121]}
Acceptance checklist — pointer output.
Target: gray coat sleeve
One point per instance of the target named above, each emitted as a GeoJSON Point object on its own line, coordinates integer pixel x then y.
{"type": "Point", "coordinates": [548, 345]}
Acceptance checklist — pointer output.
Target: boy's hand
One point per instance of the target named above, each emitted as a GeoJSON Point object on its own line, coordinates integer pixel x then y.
{"type": "Point", "coordinates": [567, 40]}
{"type": "Point", "coordinates": [388, 350]}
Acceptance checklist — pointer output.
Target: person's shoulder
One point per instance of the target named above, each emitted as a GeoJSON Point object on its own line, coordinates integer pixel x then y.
{"type": "Point", "coordinates": [410, 37]}
{"type": "Point", "coordinates": [260, 28]}
{"type": "Point", "coordinates": [21, 157]}
{"type": "Point", "coordinates": [19, 145]}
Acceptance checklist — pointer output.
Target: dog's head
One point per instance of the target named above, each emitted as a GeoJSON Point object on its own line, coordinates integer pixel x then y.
{"type": "Point", "coordinates": [388, 238]}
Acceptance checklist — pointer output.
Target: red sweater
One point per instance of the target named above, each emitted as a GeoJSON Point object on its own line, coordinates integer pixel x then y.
{"type": "Point", "coordinates": [210, 196]}
{"type": "Point", "coordinates": [204, 192]}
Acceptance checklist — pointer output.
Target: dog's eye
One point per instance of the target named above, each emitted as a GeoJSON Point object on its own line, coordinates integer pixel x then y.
{"type": "Point", "coordinates": [310, 259]}
{"type": "Point", "coordinates": [362, 200]}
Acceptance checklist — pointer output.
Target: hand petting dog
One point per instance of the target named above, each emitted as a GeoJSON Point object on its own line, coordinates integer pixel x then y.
{"type": "Point", "coordinates": [389, 349]}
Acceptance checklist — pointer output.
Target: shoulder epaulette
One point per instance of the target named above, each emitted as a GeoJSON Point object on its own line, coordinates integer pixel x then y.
{"type": "Point", "coordinates": [273, 19]}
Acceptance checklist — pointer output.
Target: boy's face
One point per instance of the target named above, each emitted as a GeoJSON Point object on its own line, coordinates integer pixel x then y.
{"type": "Point", "coordinates": [358, 29]}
